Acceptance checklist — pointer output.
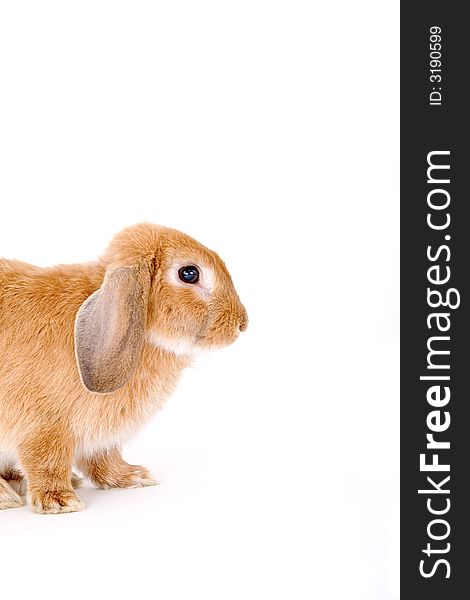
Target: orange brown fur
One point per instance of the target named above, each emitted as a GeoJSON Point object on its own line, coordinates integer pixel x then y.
{"type": "Point", "coordinates": [49, 420]}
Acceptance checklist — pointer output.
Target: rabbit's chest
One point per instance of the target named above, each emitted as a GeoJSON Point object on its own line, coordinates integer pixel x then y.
{"type": "Point", "coordinates": [116, 418]}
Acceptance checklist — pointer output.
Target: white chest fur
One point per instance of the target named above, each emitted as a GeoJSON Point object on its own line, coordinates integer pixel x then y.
{"type": "Point", "coordinates": [119, 416]}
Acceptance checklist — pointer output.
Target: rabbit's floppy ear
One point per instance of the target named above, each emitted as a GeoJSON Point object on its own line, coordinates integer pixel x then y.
{"type": "Point", "coordinates": [109, 330]}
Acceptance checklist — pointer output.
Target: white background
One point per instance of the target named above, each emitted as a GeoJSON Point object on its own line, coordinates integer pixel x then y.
{"type": "Point", "coordinates": [269, 131]}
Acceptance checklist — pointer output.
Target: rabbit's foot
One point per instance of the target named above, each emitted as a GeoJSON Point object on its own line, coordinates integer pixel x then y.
{"type": "Point", "coordinates": [8, 497]}
{"type": "Point", "coordinates": [17, 481]}
{"type": "Point", "coordinates": [56, 501]}
{"type": "Point", "coordinates": [108, 470]}
{"type": "Point", "coordinates": [127, 476]}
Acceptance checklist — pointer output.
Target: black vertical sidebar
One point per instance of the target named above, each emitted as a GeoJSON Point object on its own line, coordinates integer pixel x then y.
{"type": "Point", "coordinates": [435, 340]}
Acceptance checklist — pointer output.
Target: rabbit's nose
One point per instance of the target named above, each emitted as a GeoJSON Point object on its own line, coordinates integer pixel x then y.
{"type": "Point", "coordinates": [243, 320]}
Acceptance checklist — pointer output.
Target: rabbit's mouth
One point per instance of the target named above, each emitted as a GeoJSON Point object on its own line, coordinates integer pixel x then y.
{"type": "Point", "coordinates": [225, 329]}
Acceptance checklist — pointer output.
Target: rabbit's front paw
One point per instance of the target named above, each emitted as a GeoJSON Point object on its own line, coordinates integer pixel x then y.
{"type": "Point", "coordinates": [57, 501]}
{"type": "Point", "coordinates": [140, 477]}
{"type": "Point", "coordinates": [108, 470]}
{"type": "Point", "coordinates": [127, 476]}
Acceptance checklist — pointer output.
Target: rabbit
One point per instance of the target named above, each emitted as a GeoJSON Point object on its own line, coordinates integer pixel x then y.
{"type": "Point", "coordinates": [89, 352]}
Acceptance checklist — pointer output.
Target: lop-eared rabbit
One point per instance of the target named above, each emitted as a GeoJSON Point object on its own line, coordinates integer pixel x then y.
{"type": "Point", "coordinates": [89, 352]}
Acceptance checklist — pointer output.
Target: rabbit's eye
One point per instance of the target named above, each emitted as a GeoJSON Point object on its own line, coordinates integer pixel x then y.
{"type": "Point", "coordinates": [189, 274]}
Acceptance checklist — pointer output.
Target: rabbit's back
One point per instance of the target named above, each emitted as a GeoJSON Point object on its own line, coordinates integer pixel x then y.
{"type": "Point", "coordinates": [37, 313]}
